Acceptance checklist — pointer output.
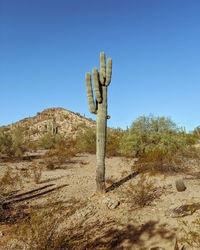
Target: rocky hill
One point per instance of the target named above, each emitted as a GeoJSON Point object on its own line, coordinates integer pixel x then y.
{"type": "Point", "coordinates": [57, 120]}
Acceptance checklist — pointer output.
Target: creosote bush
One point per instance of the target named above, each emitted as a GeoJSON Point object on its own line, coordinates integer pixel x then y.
{"type": "Point", "coordinates": [158, 144]}
{"type": "Point", "coordinates": [114, 137]}
{"type": "Point", "coordinates": [149, 133]}
{"type": "Point", "coordinates": [12, 143]}
{"type": "Point", "coordinates": [48, 226]}
{"type": "Point", "coordinates": [61, 154]}
{"type": "Point", "coordinates": [36, 171]}
{"type": "Point", "coordinates": [139, 193]}
{"type": "Point", "coordinates": [49, 140]}
{"type": "Point", "coordinates": [191, 232]}
{"type": "Point", "coordinates": [86, 141]}
{"type": "Point", "coordinates": [8, 180]}
{"type": "Point", "coordinates": [40, 230]}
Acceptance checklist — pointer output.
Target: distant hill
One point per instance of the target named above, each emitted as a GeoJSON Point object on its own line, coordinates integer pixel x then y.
{"type": "Point", "coordinates": [64, 121]}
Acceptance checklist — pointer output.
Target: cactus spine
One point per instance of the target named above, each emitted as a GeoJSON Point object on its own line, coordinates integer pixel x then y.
{"type": "Point", "coordinates": [101, 80]}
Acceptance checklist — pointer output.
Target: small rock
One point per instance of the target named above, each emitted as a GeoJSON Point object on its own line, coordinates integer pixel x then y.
{"type": "Point", "coordinates": [2, 233]}
{"type": "Point", "coordinates": [85, 211]}
{"type": "Point", "coordinates": [110, 203]}
{"type": "Point", "coordinates": [180, 186]}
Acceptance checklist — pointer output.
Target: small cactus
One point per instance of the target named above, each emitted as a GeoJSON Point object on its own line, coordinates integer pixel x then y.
{"type": "Point", "coordinates": [54, 127]}
{"type": "Point", "coordinates": [101, 80]}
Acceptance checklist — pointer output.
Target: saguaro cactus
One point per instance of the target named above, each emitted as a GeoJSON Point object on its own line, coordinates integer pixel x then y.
{"type": "Point", "coordinates": [54, 127]}
{"type": "Point", "coordinates": [101, 80]}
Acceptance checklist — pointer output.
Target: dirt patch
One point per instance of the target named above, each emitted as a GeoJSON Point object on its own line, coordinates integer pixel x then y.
{"type": "Point", "coordinates": [127, 226]}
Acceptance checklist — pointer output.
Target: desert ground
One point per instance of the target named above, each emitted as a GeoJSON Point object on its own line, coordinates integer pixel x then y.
{"type": "Point", "coordinates": [109, 221]}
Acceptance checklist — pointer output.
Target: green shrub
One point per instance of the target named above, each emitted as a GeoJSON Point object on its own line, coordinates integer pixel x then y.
{"type": "Point", "coordinates": [12, 143]}
{"type": "Point", "coordinates": [114, 137]}
{"type": "Point", "coordinates": [18, 142]}
{"type": "Point", "coordinates": [49, 141]}
{"type": "Point", "coordinates": [62, 153]}
{"type": "Point", "coordinates": [159, 145]}
{"type": "Point", "coordinates": [5, 142]}
{"type": "Point", "coordinates": [86, 141]}
{"type": "Point", "coordinates": [148, 134]}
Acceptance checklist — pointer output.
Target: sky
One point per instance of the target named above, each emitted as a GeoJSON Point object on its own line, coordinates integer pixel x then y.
{"type": "Point", "coordinates": [47, 46]}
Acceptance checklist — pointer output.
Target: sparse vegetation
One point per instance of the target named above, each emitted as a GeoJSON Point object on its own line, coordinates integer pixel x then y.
{"type": "Point", "coordinates": [63, 152]}
{"type": "Point", "coordinates": [40, 230]}
{"type": "Point", "coordinates": [12, 143]}
{"type": "Point", "coordinates": [158, 145]}
{"type": "Point", "coordinates": [114, 137]}
{"type": "Point", "coordinates": [191, 232]}
{"type": "Point", "coordinates": [49, 140]}
{"type": "Point", "coordinates": [36, 171]}
{"type": "Point", "coordinates": [86, 141]}
{"type": "Point", "coordinates": [151, 143]}
{"type": "Point", "coordinates": [140, 193]}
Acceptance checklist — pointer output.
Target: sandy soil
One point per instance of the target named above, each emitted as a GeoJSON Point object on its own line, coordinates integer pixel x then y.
{"type": "Point", "coordinates": [126, 227]}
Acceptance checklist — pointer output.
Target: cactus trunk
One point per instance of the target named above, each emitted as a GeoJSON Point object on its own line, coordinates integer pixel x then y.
{"type": "Point", "coordinates": [101, 141]}
{"type": "Point", "coordinates": [101, 80]}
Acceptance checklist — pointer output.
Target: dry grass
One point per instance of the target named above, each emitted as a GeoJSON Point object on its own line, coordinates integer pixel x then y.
{"type": "Point", "coordinates": [63, 152]}
{"type": "Point", "coordinates": [46, 227]}
{"type": "Point", "coordinates": [191, 232]}
{"type": "Point", "coordinates": [140, 193]}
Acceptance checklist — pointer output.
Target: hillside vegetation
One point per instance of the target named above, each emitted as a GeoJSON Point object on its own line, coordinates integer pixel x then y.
{"type": "Point", "coordinates": [52, 141]}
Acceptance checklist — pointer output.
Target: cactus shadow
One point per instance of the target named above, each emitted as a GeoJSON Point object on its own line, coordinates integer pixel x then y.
{"type": "Point", "coordinates": [35, 193]}
{"type": "Point", "coordinates": [122, 181]}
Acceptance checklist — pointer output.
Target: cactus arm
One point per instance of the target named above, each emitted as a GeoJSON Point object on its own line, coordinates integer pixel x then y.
{"type": "Point", "coordinates": [97, 91]}
{"type": "Point", "coordinates": [108, 71]}
{"type": "Point", "coordinates": [90, 98]}
{"type": "Point", "coordinates": [102, 68]}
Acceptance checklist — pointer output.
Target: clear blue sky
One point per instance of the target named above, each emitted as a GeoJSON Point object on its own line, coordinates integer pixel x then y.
{"type": "Point", "coordinates": [46, 46]}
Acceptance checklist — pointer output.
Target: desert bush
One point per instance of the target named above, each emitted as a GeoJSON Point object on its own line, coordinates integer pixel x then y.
{"type": "Point", "coordinates": [5, 142]}
{"type": "Point", "coordinates": [12, 143]}
{"type": "Point", "coordinates": [158, 161]}
{"type": "Point", "coordinates": [45, 227]}
{"type": "Point", "coordinates": [8, 180]}
{"type": "Point", "coordinates": [191, 232]}
{"type": "Point", "coordinates": [18, 142]}
{"type": "Point", "coordinates": [49, 140]}
{"type": "Point", "coordinates": [63, 152]}
{"type": "Point", "coordinates": [114, 137]}
{"type": "Point", "coordinates": [159, 145]}
{"type": "Point", "coordinates": [40, 230]}
{"type": "Point", "coordinates": [86, 141]}
{"type": "Point", "coordinates": [149, 133]}
{"type": "Point", "coordinates": [31, 145]}
{"type": "Point", "coordinates": [36, 171]}
{"type": "Point", "coordinates": [140, 193]}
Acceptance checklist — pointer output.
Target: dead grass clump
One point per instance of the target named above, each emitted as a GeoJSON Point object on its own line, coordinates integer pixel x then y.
{"type": "Point", "coordinates": [46, 227]}
{"type": "Point", "coordinates": [40, 230]}
{"type": "Point", "coordinates": [191, 232]}
{"type": "Point", "coordinates": [139, 194]}
{"type": "Point", "coordinates": [36, 172]}
{"type": "Point", "coordinates": [8, 180]}
{"type": "Point", "coordinates": [158, 161]}
{"type": "Point", "coordinates": [64, 151]}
